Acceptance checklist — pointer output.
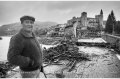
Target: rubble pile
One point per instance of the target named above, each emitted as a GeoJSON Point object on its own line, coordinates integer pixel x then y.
{"type": "Point", "coordinates": [66, 50]}
{"type": "Point", "coordinates": [4, 68]}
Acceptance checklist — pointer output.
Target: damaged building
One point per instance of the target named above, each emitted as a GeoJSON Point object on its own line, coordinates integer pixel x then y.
{"type": "Point", "coordinates": [82, 26]}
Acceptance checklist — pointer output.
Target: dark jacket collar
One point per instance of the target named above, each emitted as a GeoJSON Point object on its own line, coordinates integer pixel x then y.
{"type": "Point", "coordinates": [25, 34]}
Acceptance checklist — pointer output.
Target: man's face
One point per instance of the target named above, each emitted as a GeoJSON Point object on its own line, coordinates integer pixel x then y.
{"type": "Point", "coordinates": [28, 25]}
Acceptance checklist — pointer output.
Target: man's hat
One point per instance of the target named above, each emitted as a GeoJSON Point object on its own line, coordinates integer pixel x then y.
{"type": "Point", "coordinates": [27, 18]}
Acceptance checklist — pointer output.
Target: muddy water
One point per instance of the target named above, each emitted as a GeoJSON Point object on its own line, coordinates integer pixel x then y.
{"type": "Point", "coordinates": [4, 44]}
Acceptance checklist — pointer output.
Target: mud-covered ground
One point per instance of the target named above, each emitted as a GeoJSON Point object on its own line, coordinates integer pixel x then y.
{"type": "Point", "coordinates": [103, 64]}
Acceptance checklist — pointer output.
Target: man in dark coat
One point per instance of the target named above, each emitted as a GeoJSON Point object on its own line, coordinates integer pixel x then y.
{"type": "Point", "coordinates": [25, 51]}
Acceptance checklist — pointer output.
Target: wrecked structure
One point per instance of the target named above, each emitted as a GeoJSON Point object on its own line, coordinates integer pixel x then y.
{"type": "Point", "coordinates": [66, 50]}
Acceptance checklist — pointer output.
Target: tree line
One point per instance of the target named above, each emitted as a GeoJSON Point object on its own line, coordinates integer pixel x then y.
{"type": "Point", "coordinates": [112, 26]}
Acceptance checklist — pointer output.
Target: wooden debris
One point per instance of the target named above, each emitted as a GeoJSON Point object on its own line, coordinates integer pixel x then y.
{"type": "Point", "coordinates": [4, 68]}
{"type": "Point", "coordinates": [67, 50]}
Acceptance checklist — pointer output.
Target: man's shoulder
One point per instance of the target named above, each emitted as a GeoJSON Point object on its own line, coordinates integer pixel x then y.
{"type": "Point", "coordinates": [17, 36]}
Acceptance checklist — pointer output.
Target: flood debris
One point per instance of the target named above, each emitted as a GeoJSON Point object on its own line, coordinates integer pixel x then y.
{"type": "Point", "coordinates": [66, 50]}
{"type": "Point", "coordinates": [4, 68]}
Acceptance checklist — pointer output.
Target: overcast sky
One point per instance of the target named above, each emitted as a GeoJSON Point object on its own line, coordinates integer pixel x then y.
{"type": "Point", "coordinates": [56, 11]}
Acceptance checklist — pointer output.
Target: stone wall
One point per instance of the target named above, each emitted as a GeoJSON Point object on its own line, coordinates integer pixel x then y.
{"type": "Point", "coordinates": [112, 39]}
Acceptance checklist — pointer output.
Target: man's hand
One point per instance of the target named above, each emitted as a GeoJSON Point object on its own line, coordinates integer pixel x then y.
{"type": "Point", "coordinates": [31, 63]}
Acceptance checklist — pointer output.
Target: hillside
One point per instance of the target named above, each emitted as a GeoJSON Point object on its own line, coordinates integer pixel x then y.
{"type": "Point", "coordinates": [11, 29]}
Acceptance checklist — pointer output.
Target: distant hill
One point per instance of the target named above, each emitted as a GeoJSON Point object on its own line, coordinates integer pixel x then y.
{"type": "Point", "coordinates": [11, 29]}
